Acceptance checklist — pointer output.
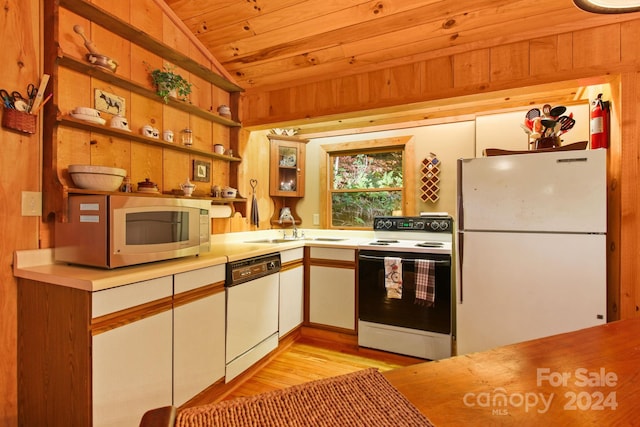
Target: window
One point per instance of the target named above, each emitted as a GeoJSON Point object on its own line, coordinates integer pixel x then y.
{"type": "Point", "coordinates": [364, 180]}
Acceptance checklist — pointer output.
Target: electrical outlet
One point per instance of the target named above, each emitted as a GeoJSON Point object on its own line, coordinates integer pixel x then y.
{"type": "Point", "coordinates": [316, 219]}
{"type": "Point", "coordinates": [31, 203]}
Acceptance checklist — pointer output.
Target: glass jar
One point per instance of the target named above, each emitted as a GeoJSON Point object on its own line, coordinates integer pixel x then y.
{"type": "Point", "coordinates": [187, 137]}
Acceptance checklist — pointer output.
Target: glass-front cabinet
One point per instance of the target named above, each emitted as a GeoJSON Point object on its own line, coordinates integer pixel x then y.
{"type": "Point", "coordinates": [286, 175]}
{"type": "Point", "coordinates": [287, 166]}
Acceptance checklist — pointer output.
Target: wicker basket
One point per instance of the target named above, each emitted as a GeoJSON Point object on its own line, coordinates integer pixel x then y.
{"type": "Point", "coordinates": [18, 120]}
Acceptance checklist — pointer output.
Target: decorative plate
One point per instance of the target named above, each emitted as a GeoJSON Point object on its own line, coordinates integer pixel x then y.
{"type": "Point", "coordinates": [290, 160]}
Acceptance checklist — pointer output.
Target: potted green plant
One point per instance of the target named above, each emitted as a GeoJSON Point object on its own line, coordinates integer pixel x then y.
{"type": "Point", "coordinates": [168, 83]}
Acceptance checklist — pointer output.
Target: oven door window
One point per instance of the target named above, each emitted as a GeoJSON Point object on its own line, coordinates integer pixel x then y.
{"type": "Point", "coordinates": [374, 305]}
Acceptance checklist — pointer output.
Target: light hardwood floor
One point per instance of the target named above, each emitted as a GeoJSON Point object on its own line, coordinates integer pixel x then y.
{"type": "Point", "coordinates": [310, 356]}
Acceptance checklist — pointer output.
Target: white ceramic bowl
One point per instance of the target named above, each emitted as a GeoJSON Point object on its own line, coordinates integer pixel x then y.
{"type": "Point", "coordinates": [101, 178]}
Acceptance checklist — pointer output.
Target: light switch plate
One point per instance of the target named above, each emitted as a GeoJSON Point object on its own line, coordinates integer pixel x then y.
{"type": "Point", "coordinates": [31, 203]}
{"type": "Point", "coordinates": [316, 219]}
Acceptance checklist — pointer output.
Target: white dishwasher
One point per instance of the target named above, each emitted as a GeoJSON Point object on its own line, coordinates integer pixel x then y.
{"type": "Point", "coordinates": [252, 288]}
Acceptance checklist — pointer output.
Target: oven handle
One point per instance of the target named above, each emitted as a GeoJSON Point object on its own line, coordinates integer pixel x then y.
{"type": "Point", "coordinates": [378, 258]}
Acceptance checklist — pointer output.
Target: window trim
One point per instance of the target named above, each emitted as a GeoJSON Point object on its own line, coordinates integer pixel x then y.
{"type": "Point", "coordinates": [405, 143]}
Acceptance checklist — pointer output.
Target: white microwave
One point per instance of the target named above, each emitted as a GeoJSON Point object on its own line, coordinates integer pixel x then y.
{"type": "Point", "coordinates": [111, 231]}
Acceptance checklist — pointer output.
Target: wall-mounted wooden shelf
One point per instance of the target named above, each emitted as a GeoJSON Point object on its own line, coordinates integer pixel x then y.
{"type": "Point", "coordinates": [117, 26]}
{"type": "Point", "coordinates": [238, 203]}
{"type": "Point", "coordinates": [99, 73]}
{"type": "Point", "coordinates": [118, 133]}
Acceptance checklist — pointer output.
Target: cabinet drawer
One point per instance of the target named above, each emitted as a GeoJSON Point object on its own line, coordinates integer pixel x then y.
{"type": "Point", "coordinates": [291, 255]}
{"type": "Point", "coordinates": [196, 278]}
{"type": "Point", "coordinates": [333, 253]}
{"type": "Point", "coordinates": [123, 297]}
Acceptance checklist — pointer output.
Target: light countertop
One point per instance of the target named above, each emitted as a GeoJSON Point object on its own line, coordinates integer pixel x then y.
{"type": "Point", "coordinates": [39, 265]}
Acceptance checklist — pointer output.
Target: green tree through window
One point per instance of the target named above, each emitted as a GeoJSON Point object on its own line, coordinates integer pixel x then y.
{"type": "Point", "coordinates": [365, 184]}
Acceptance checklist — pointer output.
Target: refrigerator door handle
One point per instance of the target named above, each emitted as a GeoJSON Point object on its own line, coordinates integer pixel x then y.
{"type": "Point", "coordinates": [460, 264]}
{"type": "Point", "coordinates": [460, 204]}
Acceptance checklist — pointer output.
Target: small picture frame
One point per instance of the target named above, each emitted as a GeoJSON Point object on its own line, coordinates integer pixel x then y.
{"type": "Point", "coordinates": [201, 171]}
{"type": "Point", "coordinates": [110, 103]}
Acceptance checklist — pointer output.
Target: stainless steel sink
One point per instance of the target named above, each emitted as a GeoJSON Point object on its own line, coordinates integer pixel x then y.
{"type": "Point", "coordinates": [326, 239]}
{"type": "Point", "coordinates": [273, 241]}
{"type": "Point", "coordinates": [280, 240]}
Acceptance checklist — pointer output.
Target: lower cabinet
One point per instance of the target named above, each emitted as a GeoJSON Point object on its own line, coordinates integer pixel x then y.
{"type": "Point", "coordinates": [132, 351]}
{"type": "Point", "coordinates": [132, 371]}
{"type": "Point", "coordinates": [332, 288]}
{"type": "Point", "coordinates": [291, 314]}
{"type": "Point", "coordinates": [198, 331]}
{"type": "Point", "coordinates": [105, 358]}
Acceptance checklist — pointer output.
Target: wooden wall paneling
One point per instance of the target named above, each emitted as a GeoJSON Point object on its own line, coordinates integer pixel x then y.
{"type": "Point", "coordinates": [629, 36]}
{"type": "Point", "coordinates": [221, 135]}
{"type": "Point", "coordinates": [509, 62]}
{"type": "Point", "coordinates": [73, 146]}
{"type": "Point", "coordinates": [629, 197]}
{"type": "Point", "coordinates": [402, 81]}
{"type": "Point", "coordinates": [121, 8]}
{"type": "Point", "coordinates": [201, 93]}
{"type": "Point", "coordinates": [20, 170]}
{"type": "Point", "coordinates": [220, 174]}
{"type": "Point", "coordinates": [175, 120]}
{"type": "Point", "coordinates": [144, 111]}
{"type": "Point", "coordinates": [597, 46]}
{"type": "Point", "coordinates": [202, 133]}
{"type": "Point", "coordinates": [471, 68]}
{"type": "Point", "coordinates": [109, 151]}
{"type": "Point", "coordinates": [142, 62]}
{"type": "Point", "coordinates": [147, 17]}
{"type": "Point", "coordinates": [73, 90]}
{"type": "Point", "coordinates": [379, 85]}
{"type": "Point", "coordinates": [348, 90]}
{"type": "Point", "coordinates": [220, 97]}
{"type": "Point", "coordinates": [437, 75]}
{"type": "Point", "coordinates": [70, 42]}
{"type": "Point", "coordinates": [549, 54]}
{"type": "Point", "coordinates": [146, 162]}
{"type": "Point", "coordinates": [113, 46]}
{"type": "Point", "coordinates": [614, 202]}
{"type": "Point", "coordinates": [177, 168]}
{"type": "Point", "coordinates": [279, 101]}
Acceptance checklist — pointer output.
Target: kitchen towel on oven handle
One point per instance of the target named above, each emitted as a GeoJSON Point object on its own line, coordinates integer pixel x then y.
{"type": "Point", "coordinates": [425, 282]}
{"type": "Point", "coordinates": [393, 277]}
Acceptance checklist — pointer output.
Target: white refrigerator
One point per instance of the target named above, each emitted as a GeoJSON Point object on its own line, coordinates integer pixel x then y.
{"type": "Point", "coordinates": [531, 247]}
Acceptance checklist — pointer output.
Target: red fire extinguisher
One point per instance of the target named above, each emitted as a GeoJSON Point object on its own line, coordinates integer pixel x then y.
{"type": "Point", "coordinates": [599, 124]}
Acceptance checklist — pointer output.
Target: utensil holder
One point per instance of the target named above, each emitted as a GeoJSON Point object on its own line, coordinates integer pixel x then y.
{"type": "Point", "coordinates": [18, 120]}
{"type": "Point", "coordinates": [546, 142]}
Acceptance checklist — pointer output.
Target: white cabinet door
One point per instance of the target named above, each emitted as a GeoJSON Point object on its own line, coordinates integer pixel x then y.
{"type": "Point", "coordinates": [291, 299]}
{"type": "Point", "coordinates": [132, 371]}
{"type": "Point", "coordinates": [198, 334]}
{"type": "Point", "coordinates": [131, 364]}
{"type": "Point", "coordinates": [332, 296]}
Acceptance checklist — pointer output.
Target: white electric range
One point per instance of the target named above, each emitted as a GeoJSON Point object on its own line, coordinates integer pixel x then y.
{"type": "Point", "coordinates": [405, 325]}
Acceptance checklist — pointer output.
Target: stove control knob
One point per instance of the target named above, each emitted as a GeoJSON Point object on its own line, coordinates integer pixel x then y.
{"type": "Point", "coordinates": [379, 224]}
{"type": "Point", "coordinates": [388, 224]}
{"type": "Point", "coordinates": [420, 225]}
{"type": "Point", "coordinates": [435, 225]}
{"type": "Point", "coordinates": [444, 225]}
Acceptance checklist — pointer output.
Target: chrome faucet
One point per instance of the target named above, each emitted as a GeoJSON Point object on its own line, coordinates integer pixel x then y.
{"type": "Point", "coordinates": [285, 215]}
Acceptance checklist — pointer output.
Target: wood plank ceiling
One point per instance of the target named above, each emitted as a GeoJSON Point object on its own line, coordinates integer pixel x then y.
{"type": "Point", "coordinates": [268, 44]}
